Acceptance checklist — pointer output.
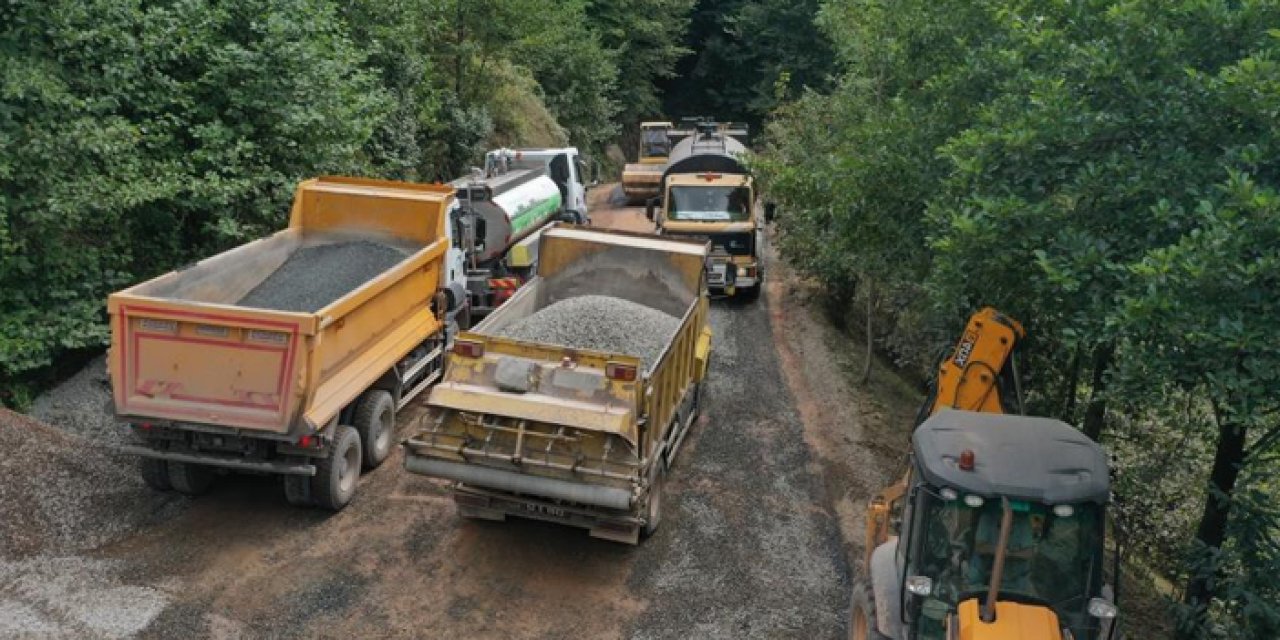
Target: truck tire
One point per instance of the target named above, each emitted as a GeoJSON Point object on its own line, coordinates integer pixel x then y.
{"type": "Point", "coordinates": [862, 614]}
{"type": "Point", "coordinates": [155, 473]}
{"type": "Point", "coordinates": [191, 479]}
{"type": "Point", "coordinates": [297, 490]}
{"type": "Point", "coordinates": [751, 294]}
{"type": "Point", "coordinates": [375, 420]}
{"type": "Point", "coordinates": [653, 506]}
{"type": "Point", "coordinates": [338, 473]}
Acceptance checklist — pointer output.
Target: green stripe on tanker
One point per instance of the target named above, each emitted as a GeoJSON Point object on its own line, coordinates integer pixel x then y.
{"type": "Point", "coordinates": [535, 214]}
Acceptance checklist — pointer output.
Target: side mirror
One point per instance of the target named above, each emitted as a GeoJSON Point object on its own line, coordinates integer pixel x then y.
{"type": "Point", "coordinates": [649, 207]}
{"type": "Point", "coordinates": [770, 210]}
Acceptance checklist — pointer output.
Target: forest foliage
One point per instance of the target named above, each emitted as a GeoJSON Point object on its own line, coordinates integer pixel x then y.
{"type": "Point", "coordinates": [1107, 173]}
{"type": "Point", "coordinates": [137, 136]}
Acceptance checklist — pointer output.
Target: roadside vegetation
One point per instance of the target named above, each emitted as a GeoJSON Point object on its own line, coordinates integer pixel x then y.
{"type": "Point", "coordinates": [1105, 172]}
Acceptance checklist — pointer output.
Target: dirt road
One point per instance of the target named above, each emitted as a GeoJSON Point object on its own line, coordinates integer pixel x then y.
{"type": "Point", "coordinates": [761, 525]}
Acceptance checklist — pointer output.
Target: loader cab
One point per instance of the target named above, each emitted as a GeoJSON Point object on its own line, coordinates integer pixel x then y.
{"type": "Point", "coordinates": [1009, 506]}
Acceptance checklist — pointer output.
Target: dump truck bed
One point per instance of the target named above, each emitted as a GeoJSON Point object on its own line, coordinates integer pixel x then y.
{"type": "Point", "coordinates": [337, 299]}
{"type": "Point", "coordinates": [581, 426]}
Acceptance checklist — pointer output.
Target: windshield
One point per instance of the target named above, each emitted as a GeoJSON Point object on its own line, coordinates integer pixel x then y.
{"type": "Point", "coordinates": [710, 204]}
{"type": "Point", "coordinates": [1050, 559]}
{"type": "Point", "coordinates": [654, 142]}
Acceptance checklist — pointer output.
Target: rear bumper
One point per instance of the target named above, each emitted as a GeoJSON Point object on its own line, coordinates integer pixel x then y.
{"type": "Point", "coordinates": [604, 497]}
{"type": "Point", "coordinates": [734, 277]}
{"type": "Point", "coordinates": [225, 462]}
{"type": "Point", "coordinates": [474, 502]}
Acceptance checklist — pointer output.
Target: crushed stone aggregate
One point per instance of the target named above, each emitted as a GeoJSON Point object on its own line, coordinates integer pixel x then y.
{"type": "Point", "coordinates": [598, 323]}
{"type": "Point", "coordinates": [315, 276]}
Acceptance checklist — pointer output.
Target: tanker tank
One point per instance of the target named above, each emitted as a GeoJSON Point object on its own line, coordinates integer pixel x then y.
{"type": "Point", "coordinates": [711, 149]}
{"type": "Point", "coordinates": [508, 207]}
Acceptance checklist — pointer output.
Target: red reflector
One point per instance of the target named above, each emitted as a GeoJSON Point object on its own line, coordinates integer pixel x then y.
{"type": "Point", "coordinates": [468, 348]}
{"type": "Point", "coordinates": [710, 176]}
{"type": "Point", "coordinates": [966, 460]}
{"type": "Point", "coordinates": [306, 442]}
{"type": "Point", "coordinates": [145, 426]}
{"type": "Point", "coordinates": [619, 371]}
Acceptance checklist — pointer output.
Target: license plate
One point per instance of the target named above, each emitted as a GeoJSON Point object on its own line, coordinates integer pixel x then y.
{"type": "Point", "coordinates": [543, 509]}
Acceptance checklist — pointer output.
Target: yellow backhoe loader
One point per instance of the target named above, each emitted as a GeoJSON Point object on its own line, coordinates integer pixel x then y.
{"type": "Point", "coordinates": [996, 532]}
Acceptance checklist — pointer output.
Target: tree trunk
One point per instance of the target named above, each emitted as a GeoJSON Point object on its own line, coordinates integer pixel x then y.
{"type": "Point", "coordinates": [866, 367]}
{"type": "Point", "coordinates": [1212, 531]}
{"type": "Point", "coordinates": [1095, 414]}
{"type": "Point", "coordinates": [458, 61]}
{"type": "Point", "coordinates": [1072, 387]}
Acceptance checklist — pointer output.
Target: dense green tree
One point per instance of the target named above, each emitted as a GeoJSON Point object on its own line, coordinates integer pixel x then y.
{"type": "Point", "coordinates": [1204, 316]}
{"type": "Point", "coordinates": [748, 56]}
{"type": "Point", "coordinates": [551, 40]}
{"type": "Point", "coordinates": [136, 135]}
{"type": "Point", "coordinates": [646, 38]}
{"type": "Point", "coordinates": [1063, 161]}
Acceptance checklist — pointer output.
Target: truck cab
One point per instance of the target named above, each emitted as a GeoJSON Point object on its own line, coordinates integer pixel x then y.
{"type": "Point", "coordinates": [706, 192]}
{"type": "Point", "coordinates": [723, 209]}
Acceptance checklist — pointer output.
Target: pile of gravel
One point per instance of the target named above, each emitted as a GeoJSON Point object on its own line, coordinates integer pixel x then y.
{"type": "Point", "coordinates": [315, 276]}
{"type": "Point", "coordinates": [62, 493]}
{"type": "Point", "coordinates": [82, 406]}
{"type": "Point", "coordinates": [598, 323]}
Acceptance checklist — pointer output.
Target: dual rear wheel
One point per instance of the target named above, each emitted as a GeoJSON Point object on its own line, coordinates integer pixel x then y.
{"type": "Point", "coordinates": [364, 446]}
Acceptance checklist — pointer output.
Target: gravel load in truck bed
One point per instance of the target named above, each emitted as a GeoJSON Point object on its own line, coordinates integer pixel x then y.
{"type": "Point", "coordinates": [315, 276]}
{"type": "Point", "coordinates": [599, 323]}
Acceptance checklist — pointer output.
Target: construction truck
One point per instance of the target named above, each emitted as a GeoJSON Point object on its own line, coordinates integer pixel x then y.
{"type": "Point", "coordinates": [545, 428]}
{"type": "Point", "coordinates": [497, 219]}
{"type": "Point", "coordinates": [640, 179]}
{"type": "Point", "coordinates": [997, 529]}
{"type": "Point", "coordinates": [706, 192]}
{"type": "Point", "coordinates": [290, 354]}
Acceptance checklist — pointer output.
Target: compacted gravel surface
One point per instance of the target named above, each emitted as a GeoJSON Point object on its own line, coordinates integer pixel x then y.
{"type": "Point", "coordinates": [599, 323]}
{"type": "Point", "coordinates": [761, 526]}
{"type": "Point", "coordinates": [315, 276]}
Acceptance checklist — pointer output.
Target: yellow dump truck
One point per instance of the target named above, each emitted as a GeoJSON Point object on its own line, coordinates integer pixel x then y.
{"type": "Point", "coordinates": [707, 192]}
{"type": "Point", "coordinates": [640, 179]}
{"type": "Point", "coordinates": [575, 416]}
{"type": "Point", "coordinates": [290, 354]}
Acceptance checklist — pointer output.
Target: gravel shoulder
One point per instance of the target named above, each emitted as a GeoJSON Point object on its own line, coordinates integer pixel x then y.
{"type": "Point", "coordinates": [758, 540]}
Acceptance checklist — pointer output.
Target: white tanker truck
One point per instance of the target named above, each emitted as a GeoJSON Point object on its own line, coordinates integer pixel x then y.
{"type": "Point", "coordinates": [498, 218]}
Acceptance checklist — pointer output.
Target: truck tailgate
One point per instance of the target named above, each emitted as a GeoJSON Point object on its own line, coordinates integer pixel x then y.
{"type": "Point", "coordinates": [208, 363]}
